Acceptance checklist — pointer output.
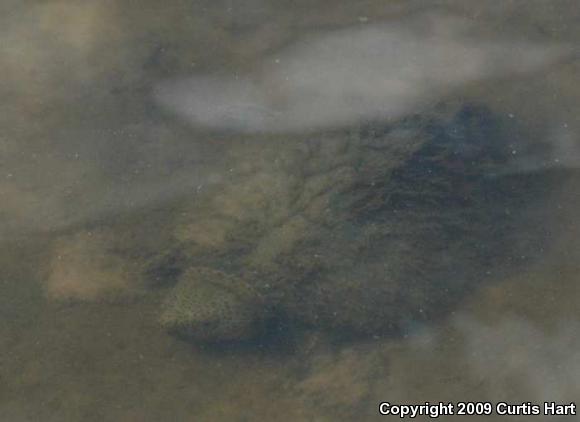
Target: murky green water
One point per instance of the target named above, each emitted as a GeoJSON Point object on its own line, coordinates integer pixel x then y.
{"type": "Point", "coordinates": [117, 175]}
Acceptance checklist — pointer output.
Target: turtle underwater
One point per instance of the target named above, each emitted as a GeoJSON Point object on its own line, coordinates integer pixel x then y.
{"type": "Point", "coordinates": [359, 232]}
{"type": "Point", "coordinates": [366, 219]}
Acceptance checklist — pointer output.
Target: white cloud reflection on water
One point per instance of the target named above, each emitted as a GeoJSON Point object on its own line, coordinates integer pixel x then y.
{"type": "Point", "coordinates": [339, 78]}
{"type": "Point", "coordinates": [543, 364]}
{"type": "Point", "coordinates": [82, 138]}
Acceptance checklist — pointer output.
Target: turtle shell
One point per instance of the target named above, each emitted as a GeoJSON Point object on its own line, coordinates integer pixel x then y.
{"type": "Point", "coordinates": [365, 232]}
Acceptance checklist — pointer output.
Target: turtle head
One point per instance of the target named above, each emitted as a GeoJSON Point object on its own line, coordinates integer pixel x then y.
{"type": "Point", "coordinates": [211, 306]}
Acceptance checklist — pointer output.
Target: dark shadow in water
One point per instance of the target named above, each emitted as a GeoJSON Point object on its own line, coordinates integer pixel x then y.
{"type": "Point", "coordinates": [279, 337]}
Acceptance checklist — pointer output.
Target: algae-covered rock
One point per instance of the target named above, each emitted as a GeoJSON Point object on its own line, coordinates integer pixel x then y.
{"type": "Point", "coordinates": [86, 267]}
